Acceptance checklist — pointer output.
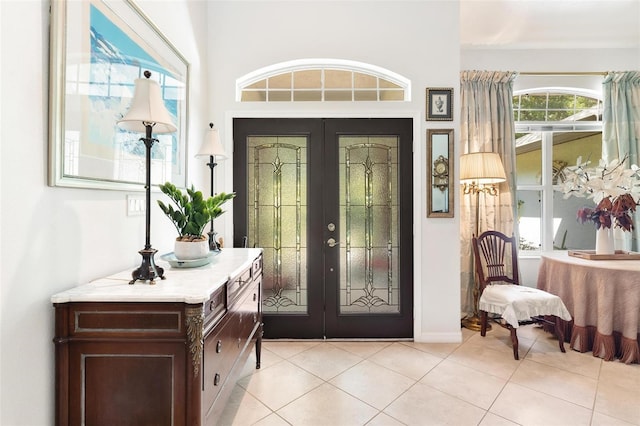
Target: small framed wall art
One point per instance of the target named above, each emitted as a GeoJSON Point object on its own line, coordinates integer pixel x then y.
{"type": "Point", "coordinates": [439, 104]}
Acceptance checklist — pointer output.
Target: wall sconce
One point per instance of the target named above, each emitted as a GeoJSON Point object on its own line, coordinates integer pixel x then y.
{"type": "Point", "coordinates": [480, 171]}
{"type": "Point", "coordinates": [147, 113]}
{"type": "Point", "coordinates": [212, 147]}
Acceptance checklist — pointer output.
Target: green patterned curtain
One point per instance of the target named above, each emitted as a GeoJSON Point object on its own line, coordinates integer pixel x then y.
{"type": "Point", "coordinates": [621, 125]}
{"type": "Point", "coordinates": [487, 125]}
{"type": "Point", "coordinates": [621, 116]}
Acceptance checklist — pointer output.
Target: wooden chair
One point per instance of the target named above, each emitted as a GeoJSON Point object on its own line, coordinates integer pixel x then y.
{"type": "Point", "coordinates": [501, 292]}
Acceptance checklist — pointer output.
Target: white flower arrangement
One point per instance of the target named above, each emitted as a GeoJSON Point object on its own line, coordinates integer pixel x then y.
{"type": "Point", "coordinates": [614, 189]}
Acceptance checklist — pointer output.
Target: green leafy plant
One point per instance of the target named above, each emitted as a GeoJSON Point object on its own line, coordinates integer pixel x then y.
{"type": "Point", "coordinates": [193, 211]}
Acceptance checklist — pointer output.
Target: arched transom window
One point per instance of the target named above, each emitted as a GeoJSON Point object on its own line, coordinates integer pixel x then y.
{"type": "Point", "coordinates": [322, 80]}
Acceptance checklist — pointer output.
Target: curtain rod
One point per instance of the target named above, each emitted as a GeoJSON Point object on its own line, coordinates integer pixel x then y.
{"type": "Point", "coordinates": [562, 73]}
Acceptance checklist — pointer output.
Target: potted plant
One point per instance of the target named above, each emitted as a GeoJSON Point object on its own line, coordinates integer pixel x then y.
{"type": "Point", "coordinates": [191, 215]}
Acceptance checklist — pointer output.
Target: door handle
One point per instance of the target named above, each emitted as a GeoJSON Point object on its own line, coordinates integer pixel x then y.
{"type": "Point", "coordinates": [332, 243]}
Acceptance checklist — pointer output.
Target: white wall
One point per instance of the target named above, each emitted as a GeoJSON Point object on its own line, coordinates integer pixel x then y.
{"type": "Point", "coordinates": [57, 238]}
{"type": "Point", "coordinates": [551, 60]}
{"type": "Point", "coordinates": [418, 40]}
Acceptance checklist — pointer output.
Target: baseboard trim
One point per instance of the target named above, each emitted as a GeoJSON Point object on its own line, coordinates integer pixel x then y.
{"type": "Point", "coordinates": [455, 337]}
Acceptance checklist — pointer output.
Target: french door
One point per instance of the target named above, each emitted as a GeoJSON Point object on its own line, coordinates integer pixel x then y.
{"type": "Point", "coordinates": [330, 202]}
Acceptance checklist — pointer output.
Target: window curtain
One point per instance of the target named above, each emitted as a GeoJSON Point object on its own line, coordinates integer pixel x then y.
{"type": "Point", "coordinates": [621, 126]}
{"type": "Point", "coordinates": [487, 125]}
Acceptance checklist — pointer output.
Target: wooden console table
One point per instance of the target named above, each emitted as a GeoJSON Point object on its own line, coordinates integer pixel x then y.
{"type": "Point", "coordinates": [163, 354]}
{"type": "Point", "coordinates": [603, 297]}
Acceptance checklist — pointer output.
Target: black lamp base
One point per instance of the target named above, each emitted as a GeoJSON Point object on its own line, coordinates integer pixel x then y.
{"type": "Point", "coordinates": [148, 271]}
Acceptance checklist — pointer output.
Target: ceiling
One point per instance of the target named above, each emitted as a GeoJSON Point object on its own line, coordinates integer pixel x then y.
{"type": "Point", "coordinates": [549, 24]}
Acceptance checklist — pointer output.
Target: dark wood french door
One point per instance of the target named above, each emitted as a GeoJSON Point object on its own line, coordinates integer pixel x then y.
{"type": "Point", "coordinates": [330, 202]}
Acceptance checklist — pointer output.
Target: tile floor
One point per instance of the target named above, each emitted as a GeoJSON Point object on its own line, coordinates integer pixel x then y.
{"type": "Point", "coordinates": [336, 383]}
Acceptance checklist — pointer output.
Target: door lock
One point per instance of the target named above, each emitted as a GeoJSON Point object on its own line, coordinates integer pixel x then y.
{"type": "Point", "coordinates": [331, 227]}
{"type": "Point", "coordinates": [332, 243]}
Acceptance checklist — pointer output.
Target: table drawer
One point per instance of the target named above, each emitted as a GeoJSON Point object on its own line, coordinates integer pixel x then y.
{"type": "Point", "coordinates": [237, 284]}
{"type": "Point", "coordinates": [216, 306]}
{"type": "Point", "coordinates": [257, 266]}
{"type": "Point", "coordinates": [248, 310]}
{"type": "Point", "coordinates": [125, 320]}
{"type": "Point", "coordinates": [222, 346]}
{"type": "Point", "coordinates": [220, 352]}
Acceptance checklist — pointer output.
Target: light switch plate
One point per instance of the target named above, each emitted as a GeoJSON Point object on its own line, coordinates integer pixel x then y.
{"type": "Point", "coordinates": [135, 205]}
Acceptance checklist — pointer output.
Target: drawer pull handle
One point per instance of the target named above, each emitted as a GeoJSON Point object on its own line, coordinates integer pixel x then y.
{"type": "Point", "coordinates": [255, 297]}
{"type": "Point", "coordinates": [212, 305]}
{"type": "Point", "coordinates": [216, 379]}
{"type": "Point", "coordinates": [219, 346]}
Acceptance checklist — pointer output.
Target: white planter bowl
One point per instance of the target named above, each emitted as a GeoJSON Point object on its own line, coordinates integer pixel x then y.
{"type": "Point", "coordinates": [191, 250]}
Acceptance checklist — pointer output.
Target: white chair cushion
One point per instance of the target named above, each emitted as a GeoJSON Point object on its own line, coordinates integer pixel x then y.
{"type": "Point", "coordinates": [519, 303]}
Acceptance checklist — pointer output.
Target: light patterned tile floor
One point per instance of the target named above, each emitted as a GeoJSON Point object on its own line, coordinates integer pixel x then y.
{"type": "Point", "coordinates": [477, 382]}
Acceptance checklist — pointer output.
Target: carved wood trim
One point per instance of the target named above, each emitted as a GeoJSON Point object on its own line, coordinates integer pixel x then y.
{"type": "Point", "coordinates": [195, 321]}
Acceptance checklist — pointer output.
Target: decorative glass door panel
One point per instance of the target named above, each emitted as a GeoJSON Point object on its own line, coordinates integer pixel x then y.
{"type": "Point", "coordinates": [277, 206]}
{"type": "Point", "coordinates": [330, 203]}
{"type": "Point", "coordinates": [369, 207]}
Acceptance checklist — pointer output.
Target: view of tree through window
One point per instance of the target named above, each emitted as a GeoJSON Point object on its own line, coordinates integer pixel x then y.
{"type": "Point", "coordinates": [553, 130]}
{"type": "Point", "coordinates": [548, 106]}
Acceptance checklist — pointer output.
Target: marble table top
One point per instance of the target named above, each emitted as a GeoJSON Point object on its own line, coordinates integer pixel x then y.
{"type": "Point", "coordinates": [184, 285]}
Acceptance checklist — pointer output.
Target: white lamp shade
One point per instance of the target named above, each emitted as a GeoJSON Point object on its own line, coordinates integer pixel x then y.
{"type": "Point", "coordinates": [147, 107]}
{"type": "Point", "coordinates": [211, 146]}
{"type": "Point", "coordinates": [481, 168]}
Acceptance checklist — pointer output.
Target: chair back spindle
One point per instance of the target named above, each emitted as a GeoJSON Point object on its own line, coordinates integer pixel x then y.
{"type": "Point", "coordinates": [491, 251]}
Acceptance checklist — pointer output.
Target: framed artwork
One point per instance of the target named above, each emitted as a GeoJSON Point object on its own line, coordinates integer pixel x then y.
{"type": "Point", "coordinates": [440, 173]}
{"type": "Point", "coordinates": [439, 104]}
{"type": "Point", "coordinates": [98, 49]}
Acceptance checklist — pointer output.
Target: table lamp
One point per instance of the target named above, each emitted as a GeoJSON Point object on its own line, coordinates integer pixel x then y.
{"type": "Point", "coordinates": [479, 173]}
{"type": "Point", "coordinates": [147, 114]}
{"type": "Point", "coordinates": [212, 147]}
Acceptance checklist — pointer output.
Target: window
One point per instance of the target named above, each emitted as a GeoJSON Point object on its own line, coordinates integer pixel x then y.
{"type": "Point", "coordinates": [555, 105]}
{"type": "Point", "coordinates": [554, 127]}
{"type": "Point", "coordinates": [322, 80]}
